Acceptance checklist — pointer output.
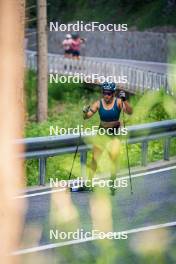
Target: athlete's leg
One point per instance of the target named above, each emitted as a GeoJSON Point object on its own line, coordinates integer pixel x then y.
{"type": "Point", "coordinates": [113, 152]}
{"type": "Point", "coordinates": [96, 155]}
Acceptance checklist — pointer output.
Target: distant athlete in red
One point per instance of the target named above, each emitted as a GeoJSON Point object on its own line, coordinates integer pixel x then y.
{"type": "Point", "coordinates": [76, 45]}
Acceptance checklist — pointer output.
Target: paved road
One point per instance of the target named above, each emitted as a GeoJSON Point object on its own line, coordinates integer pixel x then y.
{"type": "Point", "coordinates": [116, 252]}
{"type": "Point", "coordinates": [152, 203]}
{"type": "Point", "coordinates": [145, 65]}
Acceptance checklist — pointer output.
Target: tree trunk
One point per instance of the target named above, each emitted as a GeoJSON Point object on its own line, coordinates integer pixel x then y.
{"type": "Point", "coordinates": [42, 67]}
{"type": "Point", "coordinates": [11, 124]}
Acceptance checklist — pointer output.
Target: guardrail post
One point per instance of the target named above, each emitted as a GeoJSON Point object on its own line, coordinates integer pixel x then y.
{"type": "Point", "coordinates": [144, 153]}
{"type": "Point", "coordinates": [83, 160]}
{"type": "Point", "coordinates": [143, 81]}
{"type": "Point", "coordinates": [167, 148]}
{"type": "Point", "coordinates": [42, 170]}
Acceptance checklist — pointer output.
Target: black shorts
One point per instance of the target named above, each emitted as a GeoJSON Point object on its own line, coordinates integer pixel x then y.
{"type": "Point", "coordinates": [75, 53]}
{"type": "Point", "coordinates": [114, 131]}
{"type": "Point", "coordinates": [68, 51]}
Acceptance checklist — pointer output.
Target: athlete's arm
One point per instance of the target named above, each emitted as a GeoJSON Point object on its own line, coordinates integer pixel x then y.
{"type": "Point", "coordinates": [83, 40]}
{"type": "Point", "coordinates": [126, 106]}
{"type": "Point", "coordinates": [92, 110]}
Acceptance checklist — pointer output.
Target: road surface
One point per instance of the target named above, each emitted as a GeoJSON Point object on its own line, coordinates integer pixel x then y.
{"type": "Point", "coordinates": [156, 67]}
{"type": "Point", "coordinates": [152, 206]}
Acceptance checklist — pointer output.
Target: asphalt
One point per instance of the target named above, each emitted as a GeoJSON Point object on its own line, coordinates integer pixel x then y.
{"type": "Point", "coordinates": [153, 202]}
{"type": "Point", "coordinates": [156, 67]}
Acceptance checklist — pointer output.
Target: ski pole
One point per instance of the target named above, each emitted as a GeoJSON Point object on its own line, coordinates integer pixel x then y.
{"type": "Point", "coordinates": [126, 146]}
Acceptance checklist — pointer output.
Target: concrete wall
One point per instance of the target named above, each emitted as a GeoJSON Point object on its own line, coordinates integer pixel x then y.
{"type": "Point", "coordinates": [134, 45]}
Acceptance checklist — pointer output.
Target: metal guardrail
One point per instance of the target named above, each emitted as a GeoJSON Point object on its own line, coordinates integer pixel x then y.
{"type": "Point", "coordinates": [138, 79]}
{"type": "Point", "coordinates": [43, 147]}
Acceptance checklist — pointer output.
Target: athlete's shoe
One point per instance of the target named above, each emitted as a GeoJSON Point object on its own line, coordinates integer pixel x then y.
{"type": "Point", "coordinates": [81, 189]}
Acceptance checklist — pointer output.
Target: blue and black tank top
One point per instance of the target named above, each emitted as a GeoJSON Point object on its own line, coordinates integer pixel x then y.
{"type": "Point", "coordinates": [110, 115]}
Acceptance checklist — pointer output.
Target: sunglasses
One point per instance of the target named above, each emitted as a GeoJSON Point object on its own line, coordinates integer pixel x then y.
{"type": "Point", "coordinates": [107, 93]}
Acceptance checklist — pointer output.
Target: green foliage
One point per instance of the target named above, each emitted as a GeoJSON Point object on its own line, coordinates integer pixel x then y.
{"type": "Point", "coordinates": [30, 91]}
{"type": "Point", "coordinates": [140, 13]}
